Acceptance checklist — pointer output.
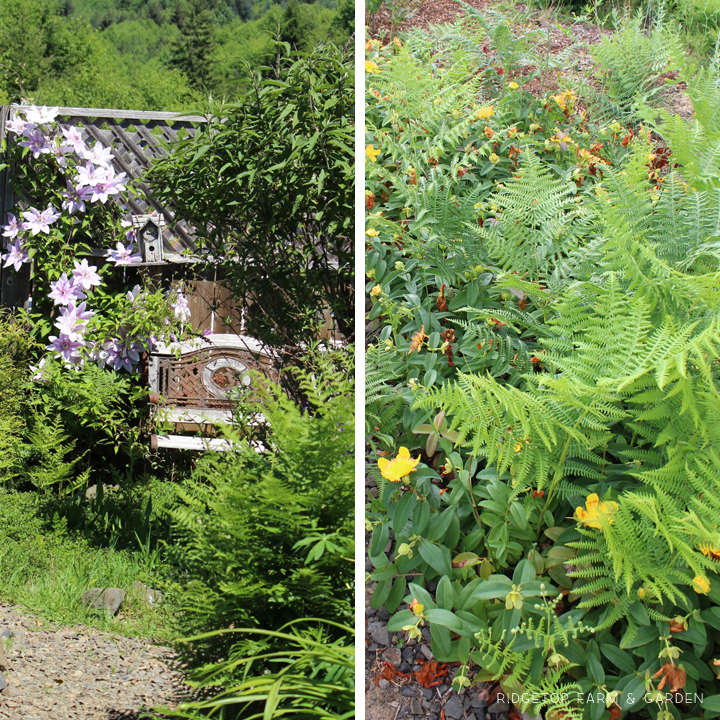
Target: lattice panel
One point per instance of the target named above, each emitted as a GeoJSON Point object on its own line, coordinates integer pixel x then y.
{"type": "Point", "coordinates": [136, 138]}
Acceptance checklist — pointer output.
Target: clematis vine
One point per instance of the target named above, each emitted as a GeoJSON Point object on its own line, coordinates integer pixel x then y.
{"type": "Point", "coordinates": [90, 181]}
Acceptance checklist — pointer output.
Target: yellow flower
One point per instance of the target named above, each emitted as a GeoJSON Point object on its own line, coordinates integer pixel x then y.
{"type": "Point", "coordinates": [372, 232]}
{"type": "Point", "coordinates": [485, 112]}
{"type": "Point", "coordinates": [701, 585]}
{"type": "Point", "coordinates": [513, 85]}
{"type": "Point", "coordinates": [594, 509]}
{"type": "Point", "coordinates": [371, 67]}
{"type": "Point", "coordinates": [372, 153]}
{"type": "Point", "coordinates": [377, 290]}
{"type": "Point", "coordinates": [395, 470]}
{"type": "Point", "coordinates": [494, 158]}
{"type": "Point", "coordinates": [710, 550]}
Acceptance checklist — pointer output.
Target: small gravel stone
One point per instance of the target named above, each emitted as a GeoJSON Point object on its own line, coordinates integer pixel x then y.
{"type": "Point", "coordinates": [476, 714]}
{"type": "Point", "coordinates": [392, 655]}
{"type": "Point", "coordinates": [383, 684]}
{"type": "Point", "coordinates": [405, 668]}
{"type": "Point", "coordinates": [498, 707]}
{"type": "Point", "coordinates": [453, 708]}
{"type": "Point", "coordinates": [408, 654]}
{"type": "Point", "coordinates": [427, 652]}
{"type": "Point", "coordinates": [382, 614]}
{"type": "Point", "coordinates": [415, 707]}
{"type": "Point", "coordinates": [426, 693]}
{"type": "Point", "coordinates": [408, 692]}
{"type": "Point", "coordinates": [476, 703]}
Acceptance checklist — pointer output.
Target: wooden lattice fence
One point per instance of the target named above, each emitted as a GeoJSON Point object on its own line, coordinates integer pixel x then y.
{"type": "Point", "coordinates": [136, 139]}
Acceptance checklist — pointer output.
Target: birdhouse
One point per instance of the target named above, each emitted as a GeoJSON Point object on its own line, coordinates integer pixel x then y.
{"type": "Point", "coordinates": [149, 233]}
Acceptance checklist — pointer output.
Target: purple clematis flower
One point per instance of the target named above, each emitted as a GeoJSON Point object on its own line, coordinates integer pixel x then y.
{"type": "Point", "coordinates": [74, 139]}
{"type": "Point", "coordinates": [65, 292]}
{"type": "Point", "coordinates": [85, 274]}
{"type": "Point", "coordinates": [35, 141]}
{"type": "Point", "coordinates": [123, 255]}
{"type": "Point", "coordinates": [182, 309]}
{"type": "Point", "coordinates": [73, 320]}
{"type": "Point", "coordinates": [114, 185]}
{"type": "Point", "coordinates": [37, 222]}
{"type": "Point", "coordinates": [124, 352]}
{"type": "Point", "coordinates": [99, 155]}
{"type": "Point", "coordinates": [75, 198]}
{"type": "Point", "coordinates": [19, 125]}
{"type": "Point", "coordinates": [66, 348]}
{"type": "Point", "coordinates": [90, 175]}
{"type": "Point", "coordinates": [13, 227]}
{"type": "Point", "coordinates": [17, 255]}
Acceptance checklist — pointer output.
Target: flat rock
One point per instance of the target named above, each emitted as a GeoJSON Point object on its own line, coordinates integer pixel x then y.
{"type": "Point", "coordinates": [109, 598]}
{"type": "Point", "coordinates": [498, 707]}
{"type": "Point", "coordinates": [379, 633]}
{"type": "Point", "coordinates": [453, 708]}
{"type": "Point", "coordinates": [392, 656]}
{"type": "Point", "coordinates": [147, 594]}
{"type": "Point", "coordinates": [415, 707]}
{"type": "Point", "coordinates": [427, 652]}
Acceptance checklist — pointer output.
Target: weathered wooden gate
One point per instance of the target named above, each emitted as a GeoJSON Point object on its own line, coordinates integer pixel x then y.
{"type": "Point", "coordinates": [189, 382]}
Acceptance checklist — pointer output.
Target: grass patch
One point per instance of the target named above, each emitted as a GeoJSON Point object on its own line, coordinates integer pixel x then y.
{"type": "Point", "coordinates": [46, 569]}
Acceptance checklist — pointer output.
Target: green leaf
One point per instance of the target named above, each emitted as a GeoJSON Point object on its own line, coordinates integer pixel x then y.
{"type": "Point", "coordinates": [403, 510]}
{"type": "Point", "coordinates": [438, 558]}
{"type": "Point", "coordinates": [711, 706]}
{"type": "Point", "coordinates": [618, 657]}
{"type": "Point", "coordinates": [396, 595]}
{"type": "Point", "coordinates": [382, 590]}
{"type": "Point", "coordinates": [490, 590]}
{"type": "Point", "coordinates": [444, 593]}
{"type": "Point", "coordinates": [379, 538]}
{"type": "Point", "coordinates": [445, 618]}
{"type": "Point", "coordinates": [399, 620]}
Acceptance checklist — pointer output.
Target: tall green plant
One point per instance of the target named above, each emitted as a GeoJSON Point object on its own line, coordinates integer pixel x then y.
{"type": "Point", "coordinates": [268, 182]}
{"type": "Point", "coordinates": [262, 538]}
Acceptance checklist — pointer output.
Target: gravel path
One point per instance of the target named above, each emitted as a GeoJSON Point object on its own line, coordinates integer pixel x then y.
{"type": "Point", "coordinates": [76, 673]}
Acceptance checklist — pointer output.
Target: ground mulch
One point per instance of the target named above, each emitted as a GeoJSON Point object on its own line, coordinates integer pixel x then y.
{"type": "Point", "coordinates": [77, 673]}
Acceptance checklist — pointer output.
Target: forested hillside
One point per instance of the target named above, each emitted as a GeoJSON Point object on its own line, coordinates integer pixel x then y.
{"type": "Point", "coordinates": [149, 54]}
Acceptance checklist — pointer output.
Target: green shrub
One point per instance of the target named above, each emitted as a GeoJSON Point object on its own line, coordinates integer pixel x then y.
{"type": "Point", "coordinates": [262, 538]}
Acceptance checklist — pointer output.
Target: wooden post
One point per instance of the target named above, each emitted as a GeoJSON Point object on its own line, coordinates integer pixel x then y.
{"type": "Point", "coordinates": [14, 286]}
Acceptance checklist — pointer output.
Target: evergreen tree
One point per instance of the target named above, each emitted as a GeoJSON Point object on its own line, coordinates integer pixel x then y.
{"type": "Point", "coordinates": [295, 28]}
{"type": "Point", "coordinates": [192, 53]}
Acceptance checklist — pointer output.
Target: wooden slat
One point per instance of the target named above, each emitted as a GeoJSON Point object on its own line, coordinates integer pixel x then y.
{"type": "Point", "coordinates": [128, 114]}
